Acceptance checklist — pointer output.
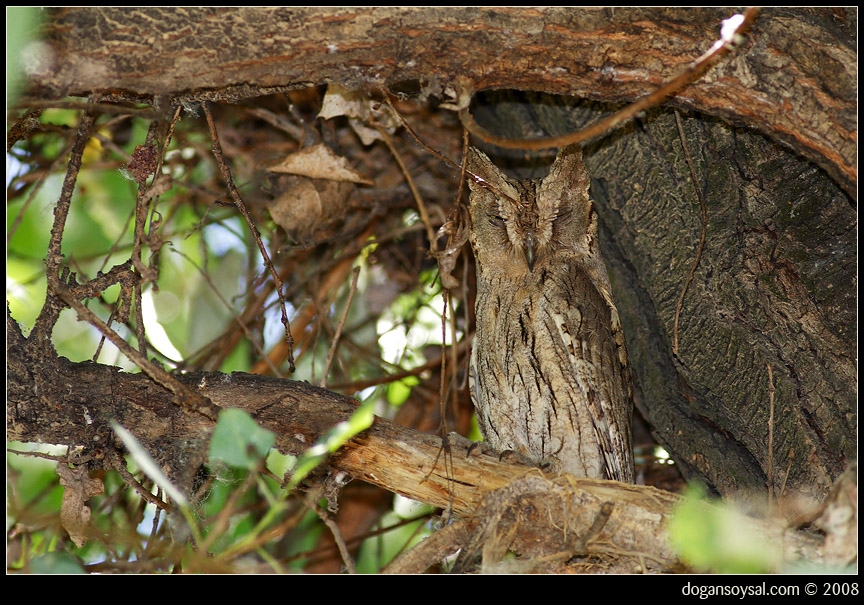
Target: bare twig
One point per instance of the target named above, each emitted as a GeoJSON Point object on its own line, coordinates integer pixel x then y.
{"type": "Point", "coordinates": [223, 518]}
{"type": "Point", "coordinates": [42, 455]}
{"type": "Point", "coordinates": [44, 326]}
{"type": "Point", "coordinates": [359, 385]}
{"type": "Point", "coordinates": [443, 157]}
{"type": "Point", "coordinates": [337, 535]}
{"type": "Point", "coordinates": [339, 328]}
{"type": "Point", "coordinates": [149, 272]}
{"type": "Point", "coordinates": [119, 464]}
{"type": "Point", "coordinates": [23, 127]}
{"type": "Point", "coordinates": [421, 205]}
{"type": "Point", "coordinates": [442, 383]}
{"type": "Point", "coordinates": [61, 211]}
{"type": "Point", "coordinates": [244, 210]}
{"type": "Point", "coordinates": [238, 319]}
{"type": "Point", "coordinates": [96, 108]}
{"type": "Point", "coordinates": [37, 186]}
{"type": "Point", "coordinates": [732, 30]}
{"type": "Point", "coordinates": [278, 121]}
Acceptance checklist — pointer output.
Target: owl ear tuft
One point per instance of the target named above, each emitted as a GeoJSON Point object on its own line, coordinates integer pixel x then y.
{"type": "Point", "coordinates": [568, 180]}
{"type": "Point", "coordinates": [478, 163]}
{"type": "Point", "coordinates": [569, 170]}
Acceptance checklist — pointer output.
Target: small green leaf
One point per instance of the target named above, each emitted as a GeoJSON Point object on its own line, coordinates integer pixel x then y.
{"type": "Point", "coordinates": [146, 463]}
{"type": "Point", "coordinates": [711, 536]}
{"type": "Point", "coordinates": [332, 440]}
{"type": "Point", "coordinates": [399, 391]}
{"type": "Point", "coordinates": [238, 440]}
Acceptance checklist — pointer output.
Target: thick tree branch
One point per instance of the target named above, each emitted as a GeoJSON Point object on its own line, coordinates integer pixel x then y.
{"type": "Point", "coordinates": [84, 397]}
{"type": "Point", "coordinates": [794, 79]}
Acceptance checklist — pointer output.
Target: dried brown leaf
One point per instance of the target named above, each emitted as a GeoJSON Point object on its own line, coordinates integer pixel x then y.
{"type": "Point", "coordinates": [74, 512]}
{"type": "Point", "coordinates": [319, 162]}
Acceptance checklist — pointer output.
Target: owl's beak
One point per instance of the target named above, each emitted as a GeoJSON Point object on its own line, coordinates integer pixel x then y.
{"type": "Point", "coordinates": [530, 248]}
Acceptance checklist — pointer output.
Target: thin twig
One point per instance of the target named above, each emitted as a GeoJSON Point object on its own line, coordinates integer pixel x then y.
{"type": "Point", "coordinates": [337, 535]}
{"type": "Point", "coordinates": [150, 272]}
{"type": "Point", "coordinates": [226, 514]}
{"type": "Point", "coordinates": [150, 548]}
{"type": "Point", "coordinates": [142, 112]}
{"type": "Point", "coordinates": [421, 205]}
{"type": "Point", "coordinates": [186, 397]}
{"type": "Point", "coordinates": [322, 551]}
{"type": "Point", "coordinates": [719, 49]}
{"type": "Point", "coordinates": [37, 186]}
{"type": "Point", "coordinates": [119, 464]}
{"type": "Point", "coordinates": [338, 335]}
{"type": "Point", "coordinates": [238, 319]}
{"type": "Point", "coordinates": [244, 210]}
{"type": "Point", "coordinates": [61, 210]}
{"type": "Point", "coordinates": [359, 385]}
{"type": "Point", "coordinates": [442, 383]}
{"type": "Point", "coordinates": [443, 430]}
{"type": "Point", "coordinates": [703, 235]}
{"type": "Point", "coordinates": [479, 179]}
{"type": "Point", "coordinates": [53, 457]}
{"type": "Point", "coordinates": [43, 328]}
{"type": "Point", "coordinates": [454, 354]}
{"type": "Point", "coordinates": [279, 122]}
{"type": "Point", "coordinates": [267, 535]}
{"type": "Point", "coordinates": [429, 149]}
{"type": "Point", "coordinates": [22, 128]}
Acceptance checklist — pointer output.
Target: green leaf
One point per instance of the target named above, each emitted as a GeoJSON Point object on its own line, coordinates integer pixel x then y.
{"type": "Point", "coordinates": [399, 391]}
{"type": "Point", "coordinates": [332, 440]}
{"type": "Point", "coordinates": [146, 463]}
{"type": "Point", "coordinates": [238, 440]}
{"type": "Point", "coordinates": [717, 537]}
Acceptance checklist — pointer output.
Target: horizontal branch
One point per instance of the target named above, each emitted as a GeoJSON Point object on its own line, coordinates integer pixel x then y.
{"type": "Point", "coordinates": [76, 402]}
{"type": "Point", "coordinates": [794, 79]}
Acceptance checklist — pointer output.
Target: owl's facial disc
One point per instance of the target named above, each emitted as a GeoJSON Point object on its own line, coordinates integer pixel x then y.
{"type": "Point", "coordinates": [531, 230]}
{"type": "Point", "coordinates": [525, 230]}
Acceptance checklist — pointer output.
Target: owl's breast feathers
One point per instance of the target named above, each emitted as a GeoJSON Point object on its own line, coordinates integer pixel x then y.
{"type": "Point", "coordinates": [550, 376]}
{"type": "Point", "coordinates": [590, 332]}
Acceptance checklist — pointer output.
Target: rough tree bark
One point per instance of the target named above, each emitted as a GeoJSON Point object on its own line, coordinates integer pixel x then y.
{"type": "Point", "coordinates": [771, 133]}
{"type": "Point", "coordinates": [795, 79]}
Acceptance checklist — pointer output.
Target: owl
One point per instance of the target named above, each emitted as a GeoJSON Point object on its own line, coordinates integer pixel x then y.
{"type": "Point", "coordinates": [549, 374]}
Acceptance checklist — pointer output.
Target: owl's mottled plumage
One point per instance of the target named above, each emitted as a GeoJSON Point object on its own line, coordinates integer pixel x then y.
{"type": "Point", "coordinates": [549, 375]}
